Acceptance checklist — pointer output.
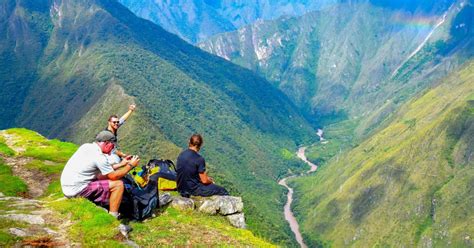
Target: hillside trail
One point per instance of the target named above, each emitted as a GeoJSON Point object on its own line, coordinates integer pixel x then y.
{"type": "Point", "coordinates": [43, 228]}
{"type": "Point", "coordinates": [289, 216]}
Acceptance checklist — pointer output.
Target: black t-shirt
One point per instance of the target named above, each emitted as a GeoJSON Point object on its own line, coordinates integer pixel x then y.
{"type": "Point", "coordinates": [188, 167]}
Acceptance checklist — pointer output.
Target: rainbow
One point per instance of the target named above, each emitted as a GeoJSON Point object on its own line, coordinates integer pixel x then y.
{"type": "Point", "coordinates": [416, 22]}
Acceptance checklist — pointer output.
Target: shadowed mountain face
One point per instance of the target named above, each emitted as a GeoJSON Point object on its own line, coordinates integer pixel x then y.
{"type": "Point", "coordinates": [197, 20]}
{"type": "Point", "coordinates": [353, 60]}
{"type": "Point", "coordinates": [65, 66]}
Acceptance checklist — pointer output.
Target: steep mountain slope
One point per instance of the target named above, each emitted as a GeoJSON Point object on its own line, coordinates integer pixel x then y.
{"type": "Point", "coordinates": [345, 61]}
{"type": "Point", "coordinates": [411, 184]}
{"type": "Point", "coordinates": [196, 20]}
{"type": "Point", "coordinates": [67, 65]}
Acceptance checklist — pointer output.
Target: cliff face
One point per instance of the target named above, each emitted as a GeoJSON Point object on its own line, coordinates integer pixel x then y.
{"type": "Point", "coordinates": [197, 20]}
{"type": "Point", "coordinates": [351, 60]}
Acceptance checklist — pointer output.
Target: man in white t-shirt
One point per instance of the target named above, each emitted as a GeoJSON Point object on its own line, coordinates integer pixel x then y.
{"type": "Point", "coordinates": [89, 174]}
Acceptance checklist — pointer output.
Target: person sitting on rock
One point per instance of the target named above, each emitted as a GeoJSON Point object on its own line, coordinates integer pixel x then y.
{"type": "Point", "coordinates": [88, 174]}
{"type": "Point", "coordinates": [192, 175]}
{"type": "Point", "coordinates": [114, 123]}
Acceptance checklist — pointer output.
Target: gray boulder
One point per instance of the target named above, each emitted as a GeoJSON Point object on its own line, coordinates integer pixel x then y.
{"type": "Point", "coordinates": [223, 205]}
{"type": "Point", "coordinates": [237, 220]}
{"type": "Point", "coordinates": [182, 203]}
{"type": "Point", "coordinates": [18, 232]}
{"type": "Point", "coordinates": [28, 218]}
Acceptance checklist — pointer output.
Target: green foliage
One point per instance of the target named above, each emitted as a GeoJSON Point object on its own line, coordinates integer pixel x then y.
{"type": "Point", "coordinates": [11, 185]}
{"type": "Point", "coordinates": [339, 137]}
{"type": "Point", "coordinates": [406, 184]}
{"type": "Point", "coordinates": [92, 226]}
{"type": "Point", "coordinates": [4, 149]}
{"type": "Point", "coordinates": [50, 168]}
{"type": "Point", "coordinates": [101, 58]}
{"type": "Point", "coordinates": [6, 238]}
{"type": "Point", "coordinates": [41, 148]}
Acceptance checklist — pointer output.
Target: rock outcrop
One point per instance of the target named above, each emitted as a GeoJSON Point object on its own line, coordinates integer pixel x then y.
{"type": "Point", "coordinates": [229, 206]}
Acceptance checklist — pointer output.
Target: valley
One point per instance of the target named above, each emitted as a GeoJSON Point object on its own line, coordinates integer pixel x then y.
{"type": "Point", "coordinates": [390, 82]}
{"type": "Point", "coordinates": [289, 216]}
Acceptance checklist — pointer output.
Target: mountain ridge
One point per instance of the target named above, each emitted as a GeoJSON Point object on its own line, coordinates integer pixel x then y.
{"type": "Point", "coordinates": [95, 57]}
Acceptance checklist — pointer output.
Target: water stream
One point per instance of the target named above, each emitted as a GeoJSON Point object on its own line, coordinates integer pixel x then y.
{"type": "Point", "coordinates": [289, 216]}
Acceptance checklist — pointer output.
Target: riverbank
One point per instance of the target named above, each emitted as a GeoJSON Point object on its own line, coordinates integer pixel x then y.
{"type": "Point", "coordinates": [289, 216]}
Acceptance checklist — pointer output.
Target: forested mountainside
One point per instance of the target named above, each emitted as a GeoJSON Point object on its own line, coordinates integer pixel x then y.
{"type": "Point", "coordinates": [411, 184]}
{"type": "Point", "coordinates": [65, 66]}
{"type": "Point", "coordinates": [357, 60]}
{"type": "Point", "coordinates": [197, 20]}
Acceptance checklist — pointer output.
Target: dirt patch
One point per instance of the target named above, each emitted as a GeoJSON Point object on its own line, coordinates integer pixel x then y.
{"type": "Point", "coordinates": [11, 141]}
{"type": "Point", "coordinates": [36, 180]}
{"type": "Point", "coordinates": [42, 242]}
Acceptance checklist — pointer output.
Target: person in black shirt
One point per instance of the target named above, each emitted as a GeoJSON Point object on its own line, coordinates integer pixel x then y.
{"type": "Point", "coordinates": [192, 175]}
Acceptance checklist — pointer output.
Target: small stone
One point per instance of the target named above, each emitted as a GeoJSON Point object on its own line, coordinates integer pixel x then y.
{"type": "Point", "coordinates": [467, 238]}
{"type": "Point", "coordinates": [50, 231]}
{"type": "Point", "coordinates": [165, 199]}
{"type": "Point", "coordinates": [124, 230]}
{"type": "Point", "coordinates": [237, 220]}
{"type": "Point", "coordinates": [182, 203]}
{"type": "Point", "coordinates": [18, 232]}
{"type": "Point", "coordinates": [1, 194]}
{"type": "Point", "coordinates": [28, 218]}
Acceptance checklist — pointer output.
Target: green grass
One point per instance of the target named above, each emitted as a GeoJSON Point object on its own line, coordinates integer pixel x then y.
{"type": "Point", "coordinates": [190, 226]}
{"type": "Point", "coordinates": [4, 149]}
{"type": "Point", "coordinates": [50, 168]}
{"type": "Point", "coordinates": [7, 239]}
{"type": "Point", "coordinates": [41, 148]}
{"type": "Point", "coordinates": [11, 185]}
{"type": "Point", "coordinates": [92, 226]}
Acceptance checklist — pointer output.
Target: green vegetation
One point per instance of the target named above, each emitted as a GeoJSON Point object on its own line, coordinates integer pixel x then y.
{"type": "Point", "coordinates": [409, 184]}
{"type": "Point", "coordinates": [41, 148]}
{"type": "Point", "coordinates": [95, 58]}
{"type": "Point", "coordinates": [93, 226]}
{"type": "Point", "coordinates": [11, 185]}
{"type": "Point", "coordinates": [339, 137]}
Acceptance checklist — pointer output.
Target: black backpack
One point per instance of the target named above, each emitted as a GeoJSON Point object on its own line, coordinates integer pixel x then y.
{"type": "Point", "coordinates": [138, 203]}
{"type": "Point", "coordinates": [166, 167]}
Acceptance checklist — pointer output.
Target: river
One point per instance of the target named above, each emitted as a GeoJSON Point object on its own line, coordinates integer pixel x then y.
{"type": "Point", "coordinates": [289, 216]}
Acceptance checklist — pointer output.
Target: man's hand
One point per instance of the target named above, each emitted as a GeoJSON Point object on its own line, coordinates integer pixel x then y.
{"type": "Point", "coordinates": [133, 161]}
{"type": "Point", "coordinates": [132, 107]}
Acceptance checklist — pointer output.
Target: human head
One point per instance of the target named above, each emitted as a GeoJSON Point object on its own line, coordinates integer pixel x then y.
{"type": "Point", "coordinates": [196, 141]}
{"type": "Point", "coordinates": [105, 141]}
{"type": "Point", "coordinates": [114, 122]}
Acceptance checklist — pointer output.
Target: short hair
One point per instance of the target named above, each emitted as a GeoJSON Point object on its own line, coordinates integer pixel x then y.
{"type": "Point", "coordinates": [196, 140]}
{"type": "Point", "coordinates": [113, 116]}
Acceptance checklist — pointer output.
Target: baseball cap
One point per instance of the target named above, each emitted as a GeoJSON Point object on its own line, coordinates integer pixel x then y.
{"type": "Point", "coordinates": [103, 136]}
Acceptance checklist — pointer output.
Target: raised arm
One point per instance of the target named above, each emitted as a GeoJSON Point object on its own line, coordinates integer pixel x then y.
{"type": "Point", "coordinates": [125, 116]}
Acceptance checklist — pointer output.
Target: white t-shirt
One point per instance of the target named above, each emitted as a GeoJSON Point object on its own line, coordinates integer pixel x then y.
{"type": "Point", "coordinates": [83, 167]}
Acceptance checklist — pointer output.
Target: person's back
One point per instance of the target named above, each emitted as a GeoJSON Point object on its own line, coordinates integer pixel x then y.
{"type": "Point", "coordinates": [82, 168]}
{"type": "Point", "coordinates": [188, 167]}
{"type": "Point", "coordinates": [192, 175]}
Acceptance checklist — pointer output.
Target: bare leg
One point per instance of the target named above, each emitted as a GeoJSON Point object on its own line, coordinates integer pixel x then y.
{"type": "Point", "coordinates": [116, 192]}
